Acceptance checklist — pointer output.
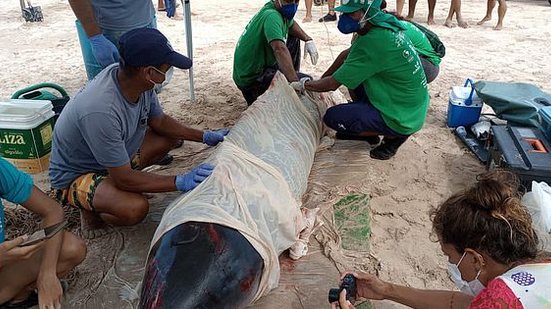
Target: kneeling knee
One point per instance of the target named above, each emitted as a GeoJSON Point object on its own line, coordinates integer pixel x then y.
{"type": "Point", "coordinates": [74, 250]}
{"type": "Point", "coordinates": [135, 212]}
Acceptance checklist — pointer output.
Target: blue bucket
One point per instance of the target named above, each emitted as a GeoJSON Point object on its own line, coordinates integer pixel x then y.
{"type": "Point", "coordinates": [464, 106]}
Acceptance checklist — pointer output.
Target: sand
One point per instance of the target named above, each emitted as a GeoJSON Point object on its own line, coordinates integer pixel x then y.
{"type": "Point", "coordinates": [429, 167]}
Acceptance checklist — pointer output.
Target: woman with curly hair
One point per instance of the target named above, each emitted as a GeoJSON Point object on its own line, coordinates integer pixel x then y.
{"type": "Point", "coordinates": [494, 255]}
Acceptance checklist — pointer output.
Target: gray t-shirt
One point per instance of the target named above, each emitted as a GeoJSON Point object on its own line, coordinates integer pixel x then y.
{"type": "Point", "coordinates": [98, 129]}
{"type": "Point", "coordinates": [123, 14]}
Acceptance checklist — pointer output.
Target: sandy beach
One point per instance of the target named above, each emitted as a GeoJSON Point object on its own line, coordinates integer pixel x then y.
{"type": "Point", "coordinates": [428, 168]}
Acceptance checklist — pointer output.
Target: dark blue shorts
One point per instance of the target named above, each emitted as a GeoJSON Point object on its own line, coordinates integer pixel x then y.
{"type": "Point", "coordinates": [357, 117]}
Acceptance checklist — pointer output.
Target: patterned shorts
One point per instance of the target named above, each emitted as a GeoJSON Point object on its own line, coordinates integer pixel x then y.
{"type": "Point", "coordinates": [80, 193]}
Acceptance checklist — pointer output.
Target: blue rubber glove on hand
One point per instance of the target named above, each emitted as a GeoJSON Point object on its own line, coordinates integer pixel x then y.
{"type": "Point", "coordinates": [212, 138]}
{"type": "Point", "coordinates": [170, 7]}
{"type": "Point", "coordinates": [105, 52]}
{"type": "Point", "coordinates": [189, 181]}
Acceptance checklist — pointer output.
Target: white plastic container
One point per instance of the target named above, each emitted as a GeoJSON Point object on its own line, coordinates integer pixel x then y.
{"type": "Point", "coordinates": [26, 130]}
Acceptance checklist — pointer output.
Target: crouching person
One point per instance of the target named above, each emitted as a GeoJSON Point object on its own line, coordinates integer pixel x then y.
{"type": "Point", "coordinates": [29, 274]}
{"type": "Point", "coordinates": [386, 78]}
{"type": "Point", "coordinates": [115, 127]}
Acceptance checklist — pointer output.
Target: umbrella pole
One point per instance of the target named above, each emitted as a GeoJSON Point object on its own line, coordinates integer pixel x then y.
{"type": "Point", "coordinates": [189, 44]}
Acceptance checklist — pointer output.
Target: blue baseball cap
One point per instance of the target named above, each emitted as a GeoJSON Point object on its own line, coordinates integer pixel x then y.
{"type": "Point", "coordinates": [147, 46]}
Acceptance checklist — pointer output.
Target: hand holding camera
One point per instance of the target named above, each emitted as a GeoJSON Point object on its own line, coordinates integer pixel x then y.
{"type": "Point", "coordinates": [349, 284]}
{"type": "Point", "coordinates": [358, 285]}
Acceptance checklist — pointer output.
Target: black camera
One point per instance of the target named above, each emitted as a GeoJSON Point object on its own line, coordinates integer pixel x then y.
{"type": "Point", "coordinates": [348, 284]}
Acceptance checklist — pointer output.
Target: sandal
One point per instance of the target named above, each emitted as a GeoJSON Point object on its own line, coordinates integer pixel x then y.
{"type": "Point", "coordinates": [328, 17]}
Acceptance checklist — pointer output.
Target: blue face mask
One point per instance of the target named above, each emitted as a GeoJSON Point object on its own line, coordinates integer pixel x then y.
{"type": "Point", "coordinates": [288, 11]}
{"type": "Point", "coordinates": [348, 25]}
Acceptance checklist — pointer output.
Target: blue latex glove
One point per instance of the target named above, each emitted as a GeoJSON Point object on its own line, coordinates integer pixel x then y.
{"type": "Point", "coordinates": [189, 181]}
{"type": "Point", "coordinates": [104, 51]}
{"type": "Point", "coordinates": [212, 138]}
{"type": "Point", "coordinates": [170, 7]}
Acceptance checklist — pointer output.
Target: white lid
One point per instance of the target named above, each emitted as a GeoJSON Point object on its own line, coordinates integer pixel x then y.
{"type": "Point", "coordinates": [458, 95]}
{"type": "Point", "coordinates": [21, 112]}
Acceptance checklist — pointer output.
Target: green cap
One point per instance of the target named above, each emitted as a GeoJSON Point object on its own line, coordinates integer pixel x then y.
{"type": "Point", "coordinates": [351, 6]}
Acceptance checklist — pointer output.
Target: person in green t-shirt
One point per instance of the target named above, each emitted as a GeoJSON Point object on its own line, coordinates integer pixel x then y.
{"type": "Point", "coordinates": [261, 50]}
{"type": "Point", "coordinates": [429, 57]}
{"type": "Point", "coordinates": [391, 93]}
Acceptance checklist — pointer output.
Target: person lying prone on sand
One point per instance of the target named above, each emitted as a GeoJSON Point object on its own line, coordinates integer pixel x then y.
{"type": "Point", "coordinates": [113, 128]}
{"type": "Point", "coordinates": [383, 70]}
{"type": "Point", "coordinates": [34, 266]}
{"type": "Point", "coordinates": [493, 254]}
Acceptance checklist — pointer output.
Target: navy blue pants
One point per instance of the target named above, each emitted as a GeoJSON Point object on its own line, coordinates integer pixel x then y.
{"type": "Point", "coordinates": [358, 117]}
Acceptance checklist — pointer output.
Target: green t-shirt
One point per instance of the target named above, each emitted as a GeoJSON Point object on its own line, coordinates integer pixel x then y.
{"type": "Point", "coordinates": [421, 43]}
{"type": "Point", "coordinates": [388, 67]}
{"type": "Point", "coordinates": [253, 52]}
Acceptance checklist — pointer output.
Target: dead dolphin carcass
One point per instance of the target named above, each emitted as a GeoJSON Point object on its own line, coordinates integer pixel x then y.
{"type": "Point", "coordinates": [218, 246]}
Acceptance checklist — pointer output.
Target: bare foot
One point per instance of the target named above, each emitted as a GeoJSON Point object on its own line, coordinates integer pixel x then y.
{"type": "Point", "coordinates": [307, 19]}
{"type": "Point", "coordinates": [430, 21]}
{"type": "Point", "coordinates": [485, 19]}
{"type": "Point", "coordinates": [498, 27]}
{"type": "Point", "coordinates": [449, 23]}
{"type": "Point", "coordinates": [92, 226]}
{"type": "Point", "coordinates": [409, 17]}
{"type": "Point", "coordinates": [461, 23]}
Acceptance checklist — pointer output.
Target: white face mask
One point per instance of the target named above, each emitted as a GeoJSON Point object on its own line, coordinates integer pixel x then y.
{"type": "Point", "coordinates": [168, 77]}
{"type": "Point", "coordinates": [472, 287]}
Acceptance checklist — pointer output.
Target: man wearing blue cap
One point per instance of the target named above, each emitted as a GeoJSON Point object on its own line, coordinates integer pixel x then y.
{"type": "Point", "coordinates": [270, 42]}
{"type": "Point", "coordinates": [386, 75]}
{"type": "Point", "coordinates": [115, 126]}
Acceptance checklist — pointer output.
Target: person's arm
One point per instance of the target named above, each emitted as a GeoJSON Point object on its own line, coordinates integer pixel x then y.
{"type": "Point", "coordinates": [103, 50]}
{"type": "Point", "coordinates": [337, 63]}
{"type": "Point", "coordinates": [284, 60]}
{"type": "Point", "coordinates": [371, 287]}
{"type": "Point", "coordinates": [84, 13]}
{"type": "Point", "coordinates": [309, 46]}
{"type": "Point", "coordinates": [167, 126]}
{"type": "Point", "coordinates": [128, 179]}
{"type": "Point", "coordinates": [48, 285]}
{"type": "Point", "coordinates": [418, 298]}
{"type": "Point", "coordinates": [104, 137]}
{"type": "Point", "coordinates": [322, 85]}
{"type": "Point", "coordinates": [297, 31]}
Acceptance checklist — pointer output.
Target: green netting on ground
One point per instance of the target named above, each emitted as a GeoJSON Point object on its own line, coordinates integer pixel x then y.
{"type": "Point", "coordinates": [352, 221]}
